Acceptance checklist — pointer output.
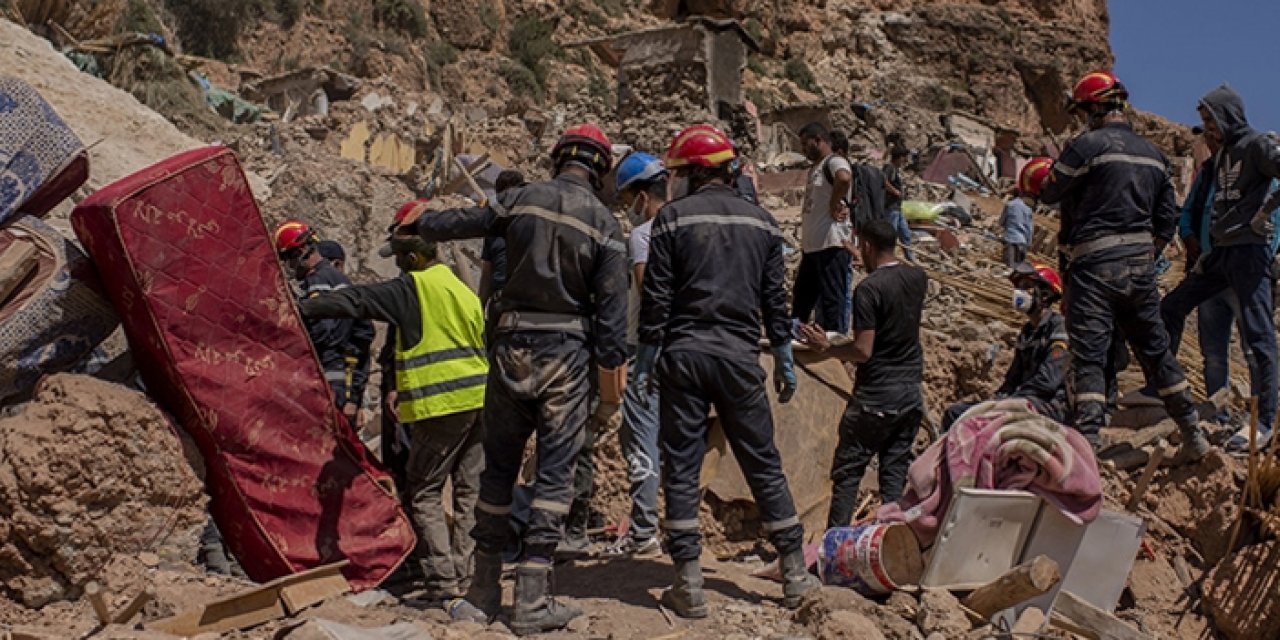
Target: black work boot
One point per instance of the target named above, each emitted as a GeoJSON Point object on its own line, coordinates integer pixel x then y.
{"type": "Point", "coordinates": [536, 611]}
{"type": "Point", "coordinates": [1193, 449]}
{"type": "Point", "coordinates": [685, 595]}
{"type": "Point", "coordinates": [797, 580]}
{"type": "Point", "coordinates": [483, 601]}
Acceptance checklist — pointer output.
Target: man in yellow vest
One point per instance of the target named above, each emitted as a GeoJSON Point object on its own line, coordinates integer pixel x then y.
{"type": "Point", "coordinates": [440, 372]}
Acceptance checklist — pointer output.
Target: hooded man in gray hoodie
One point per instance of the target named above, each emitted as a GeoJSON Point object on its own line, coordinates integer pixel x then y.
{"type": "Point", "coordinates": [1241, 258]}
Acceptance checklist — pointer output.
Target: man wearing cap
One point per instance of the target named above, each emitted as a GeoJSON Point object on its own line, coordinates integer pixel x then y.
{"type": "Point", "coordinates": [439, 377]}
{"type": "Point", "coordinates": [359, 350]}
{"type": "Point", "coordinates": [561, 317]}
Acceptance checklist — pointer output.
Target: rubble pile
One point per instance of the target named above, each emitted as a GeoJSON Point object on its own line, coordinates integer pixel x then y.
{"type": "Point", "coordinates": [90, 470]}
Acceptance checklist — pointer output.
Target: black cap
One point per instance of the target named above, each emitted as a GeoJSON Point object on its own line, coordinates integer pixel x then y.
{"type": "Point", "coordinates": [331, 250]}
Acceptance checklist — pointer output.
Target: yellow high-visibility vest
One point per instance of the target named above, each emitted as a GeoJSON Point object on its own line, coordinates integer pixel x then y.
{"type": "Point", "coordinates": [445, 372]}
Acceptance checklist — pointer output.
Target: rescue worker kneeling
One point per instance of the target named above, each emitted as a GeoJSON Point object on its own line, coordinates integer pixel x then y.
{"type": "Point", "coordinates": [715, 263]}
{"type": "Point", "coordinates": [440, 372]}
{"type": "Point", "coordinates": [1038, 372]}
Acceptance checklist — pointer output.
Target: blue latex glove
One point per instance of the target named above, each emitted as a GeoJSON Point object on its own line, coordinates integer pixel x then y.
{"type": "Point", "coordinates": [641, 371]}
{"type": "Point", "coordinates": [784, 373]}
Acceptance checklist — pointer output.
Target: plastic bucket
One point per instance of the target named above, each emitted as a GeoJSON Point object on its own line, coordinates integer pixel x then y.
{"type": "Point", "coordinates": [873, 559]}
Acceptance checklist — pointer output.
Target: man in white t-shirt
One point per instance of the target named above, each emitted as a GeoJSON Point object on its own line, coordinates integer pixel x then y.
{"type": "Point", "coordinates": [642, 187]}
{"type": "Point", "coordinates": [822, 284]}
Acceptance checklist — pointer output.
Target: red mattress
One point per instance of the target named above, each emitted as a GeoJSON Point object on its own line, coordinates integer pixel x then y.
{"type": "Point", "coordinates": [215, 331]}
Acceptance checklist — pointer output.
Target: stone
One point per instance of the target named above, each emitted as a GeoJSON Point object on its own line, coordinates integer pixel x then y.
{"type": "Point", "coordinates": [940, 612]}
{"type": "Point", "coordinates": [849, 625]}
{"type": "Point", "coordinates": [903, 604]}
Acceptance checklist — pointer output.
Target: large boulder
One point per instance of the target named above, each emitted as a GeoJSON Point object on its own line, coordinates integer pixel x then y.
{"type": "Point", "coordinates": [89, 470]}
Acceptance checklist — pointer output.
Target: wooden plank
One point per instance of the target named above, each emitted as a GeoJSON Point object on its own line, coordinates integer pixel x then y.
{"type": "Point", "coordinates": [1140, 489]}
{"type": "Point", "coordinates": [469, 173]}
{"type": "Point", "coordinates": [240, 611]}
{"type": "Point", "coordinates": [1073, 614]}
{"type": "Point", "coordinates": [322, 583]}
{"type": "Point", "coordinates": [1017, 585]}
{"type": "Point", "coordinates": [16, 263]}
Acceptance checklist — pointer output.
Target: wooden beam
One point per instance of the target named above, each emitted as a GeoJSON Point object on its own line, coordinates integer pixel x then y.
{"type": "Point", "coordinates": [276, 599]}
{"type": "Point", "coordinates": [1017, 585]}
{"type": "Point", "coordinates": [16, 263]}
{"type": "Point", "coordinates": [135, 606]}
{"type": "Point", "coordinates": [1140, 489]}
{"type": "Point", "coordinates": [1071, 613]}
{"type": "Point", "coordinates": [97, 598]}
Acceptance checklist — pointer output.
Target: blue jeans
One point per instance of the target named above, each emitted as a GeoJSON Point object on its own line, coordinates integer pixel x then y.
{"type": "Point", "coordinates": [1246, 271]}
{"type": "Point", "coordinates": [899, 223]}
{"type": "Point", "coordinates": [639, 438]}
{"type": "Point", "coordinates": [1216, 317]}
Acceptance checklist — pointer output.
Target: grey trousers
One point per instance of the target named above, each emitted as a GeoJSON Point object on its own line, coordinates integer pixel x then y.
{"type": "Point", "coordinates": [448, 447]}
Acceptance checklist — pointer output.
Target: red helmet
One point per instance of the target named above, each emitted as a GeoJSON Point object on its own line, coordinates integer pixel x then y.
{"type": "Point", "coordinates": [1033, 175]}
{"type": "Point", "coordinates": [293, 234]}
{"type": "Point", "coordinates": [408, 212]}
{"type": "Point", "coordinates": [700, 145]}
{"type": "Point", "coordinates": [1041, 273]}
{"type": "Point", "coordinates": [587, 144]}
{"type": "Point", "coordinates": [1098, 87]}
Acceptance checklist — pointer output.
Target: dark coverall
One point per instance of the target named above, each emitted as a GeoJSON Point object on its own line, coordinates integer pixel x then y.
{"type": "Point", "coordinates": [342, 344]}
{"type": "Point", "coordinates": [715, 263]}
{"type": "Point", "coordinates": [562, 313]}
{"type": "Point", "coordinates": [1117, 199]}
{"type": "Point", "coordinates": [1037, 374]}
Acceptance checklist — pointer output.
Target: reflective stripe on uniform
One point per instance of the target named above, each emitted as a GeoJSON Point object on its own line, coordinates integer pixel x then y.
{"type": "Point", "coordinates": [560, 508]}
{"type": "Point", "coordinates": [580, 226]}
{"type": "Point", "coordinates": [779, 525]}
{"type": "Point", "coordinates": [335, 376]}
{"type": "Point", "coordinates": [718, 219]}
{"type": "Point", "coordinates": [439, 356]}
{"type": "Point", "coordinates": [1171, 390]}
{"type": "Point", "coordinates": [680, 525]}
{"type": "Point", "coordinates": [1109, 158]}
{"type": "Point", "coordinates": [1091, 397]}
{"type": "Point", "coordinates": [442, 387]}
{"type": "Point", "coordinates": [497, 510]}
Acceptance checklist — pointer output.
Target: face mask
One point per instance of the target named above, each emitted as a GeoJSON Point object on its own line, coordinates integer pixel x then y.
{"type": "Point", "coordinates": [679, 187]}
{"type": "Point", "coordinates": [1023, 300]}
{"type": "Point", "coordinates": [636, 213]}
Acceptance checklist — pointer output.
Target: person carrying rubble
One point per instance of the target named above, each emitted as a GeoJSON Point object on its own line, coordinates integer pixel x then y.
{"type": "Point", "coordinates": [440, 371]}
{"type": "Point", "coordinates": [823, 280]}
{"type": "Point", "coordinates": [715, 271]}
{"type": "Point", "coordinates": [1118, 213]}
{"type": "Point", "coordinates": [642, 182]}
{"type": "Point", "coordinates": [343, 345]}
{"type": "Point", "coordinates": [884, 414]}
{"type": "Point", "coordinates": [895, 189]}
{"type": "Point", "coordinates": [1038, 373]}
{"type": "Point", "coordinates": [1241, 259]}
{"type": "Point", "coordinates": [561, 317]}
{"type": "Point", "coordinates": [1017, 222]}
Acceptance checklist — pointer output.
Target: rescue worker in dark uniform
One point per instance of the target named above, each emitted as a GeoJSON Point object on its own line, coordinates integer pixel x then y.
{"type": "Point", "coordinates": [1118, 213]}
{"type": "Point", "coordinates": [1038, 373]}
{"type": "Point", "coordinates": [561, 317]}
{"type": "Point", "coordinates": [715, 264]}
{"type": "Point", "coordinates": [341, 344]}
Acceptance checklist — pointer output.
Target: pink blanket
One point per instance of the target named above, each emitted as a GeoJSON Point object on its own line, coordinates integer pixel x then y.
{"type": "Point", "coordinates": [1000, 445]}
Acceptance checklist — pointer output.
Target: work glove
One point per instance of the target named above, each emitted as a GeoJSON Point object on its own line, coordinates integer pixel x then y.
{"type": "Point", "coordinates": [612, 383]}
{"type": "Point", "coordinates": [784, 373]}
{"type": "Point", "coordinates": [642, 371]}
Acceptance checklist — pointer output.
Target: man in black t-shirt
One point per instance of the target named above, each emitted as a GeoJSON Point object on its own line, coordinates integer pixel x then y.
{"type": "Point", "coordinates": [884, 414]}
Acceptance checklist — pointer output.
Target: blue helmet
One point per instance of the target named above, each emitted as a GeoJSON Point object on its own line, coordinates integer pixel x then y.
{"type": "Point", "coordinates": [638, 167]}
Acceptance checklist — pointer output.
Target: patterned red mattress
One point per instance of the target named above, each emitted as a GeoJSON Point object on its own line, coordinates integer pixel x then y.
{"type": "Point", "coordinates": [214, 329]}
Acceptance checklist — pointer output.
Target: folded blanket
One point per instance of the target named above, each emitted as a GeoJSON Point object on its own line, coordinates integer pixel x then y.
{"type": "Point", "coordinates": [1000, 445]}
{"type": "Point", "coordinates": [41, 159]}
